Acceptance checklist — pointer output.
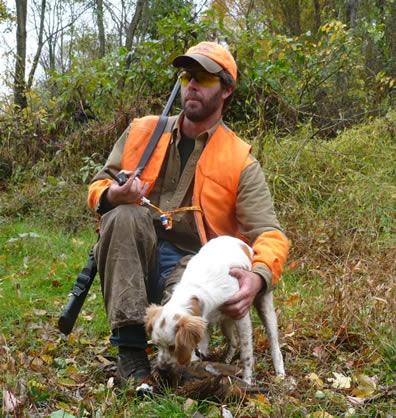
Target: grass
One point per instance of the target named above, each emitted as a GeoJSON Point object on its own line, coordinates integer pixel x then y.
{"type": "Point", "coordinates": [335, 302]}
{"type": "Point", "coordinates": [47, 372]}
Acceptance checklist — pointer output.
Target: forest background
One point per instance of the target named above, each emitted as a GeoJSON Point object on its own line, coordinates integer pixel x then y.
{"type": "Point", "coordinates": [315, 98]}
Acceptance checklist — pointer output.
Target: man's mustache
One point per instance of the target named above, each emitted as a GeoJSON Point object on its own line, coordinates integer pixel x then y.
{"type": "Point", "coordinates": [193, 97]}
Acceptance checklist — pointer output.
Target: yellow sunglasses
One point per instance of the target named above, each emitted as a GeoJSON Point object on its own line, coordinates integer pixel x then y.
{"type": "Point", "coordinates": [203, 78]}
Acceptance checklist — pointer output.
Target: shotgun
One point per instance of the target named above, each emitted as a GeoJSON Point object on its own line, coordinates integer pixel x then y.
{"type": "Point", "coordinates": [87, 275]}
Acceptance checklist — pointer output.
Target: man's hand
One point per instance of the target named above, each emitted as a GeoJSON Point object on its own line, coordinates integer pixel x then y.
{"type": "Point", "coordinates": [249, 285]}
{"type": "Point", "coordinates": [131, 192]}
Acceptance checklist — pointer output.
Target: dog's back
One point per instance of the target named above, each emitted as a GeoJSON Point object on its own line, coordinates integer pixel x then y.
{"type": "Point", "coordinates": [209, 270]}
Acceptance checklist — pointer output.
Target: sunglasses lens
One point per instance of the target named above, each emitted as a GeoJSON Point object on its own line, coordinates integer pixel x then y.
{"type": "Point", "coordinates": [206, 79]}
{"type": "Point", "coordinates": [185, 77]}
{"type": "Point", "coordinates": [203, 79]}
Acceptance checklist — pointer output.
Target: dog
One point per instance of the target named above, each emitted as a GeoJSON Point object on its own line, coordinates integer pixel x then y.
{"type": "Point", "coordinates": [182, 325]}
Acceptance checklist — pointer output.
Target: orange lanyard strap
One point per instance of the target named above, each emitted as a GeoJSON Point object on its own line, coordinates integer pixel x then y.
{"type": "Point", "coordinates": [166, 216]}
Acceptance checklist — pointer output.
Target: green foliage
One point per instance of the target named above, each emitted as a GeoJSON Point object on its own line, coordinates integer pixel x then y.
{"type": "Point", "coordinates": [4, 12]}
{"type": "Point", "coordinates": [55, 201]}
{"type": "Point", "coordinates": [319, 80]}
{"type": "Point", "coordinates": [285, 81]}
{"type": "Point", "coordinates": [350, 180]}
{"type": "Point", "coordinates": [91, 167]}
{"type": "Point", "coordinates": [96, 88]}
{"type": "Point", "coordinates": [162, 9]}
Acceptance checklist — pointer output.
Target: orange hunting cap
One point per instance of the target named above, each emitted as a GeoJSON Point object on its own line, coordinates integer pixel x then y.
{"type": "Point", "coordinates": [212, 56]}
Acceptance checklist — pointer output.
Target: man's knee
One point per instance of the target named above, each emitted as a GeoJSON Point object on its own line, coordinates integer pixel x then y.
{"type": "Point", "coordinates": [133, 213]}
{"type": "Point", "coordinates": [126, 220]}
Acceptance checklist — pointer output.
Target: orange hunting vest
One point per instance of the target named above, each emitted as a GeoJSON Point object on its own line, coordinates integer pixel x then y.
{"type": "Point", "coordinates": [216, 176]}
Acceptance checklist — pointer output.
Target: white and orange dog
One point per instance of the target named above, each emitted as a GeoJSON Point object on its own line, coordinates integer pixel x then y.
{"type": "Point", "coordinates": [182, 324]}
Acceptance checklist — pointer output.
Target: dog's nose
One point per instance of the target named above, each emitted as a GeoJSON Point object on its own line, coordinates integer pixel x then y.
{"type": "Point", "coordinates": [163, 367]}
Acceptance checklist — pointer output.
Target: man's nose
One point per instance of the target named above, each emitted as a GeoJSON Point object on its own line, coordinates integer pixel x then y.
{"type": "Point", "coordinates": [193, 83]}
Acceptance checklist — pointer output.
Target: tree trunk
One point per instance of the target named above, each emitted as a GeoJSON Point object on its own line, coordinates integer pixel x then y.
{"type": "Point", "coordinates": [317, 15]}
{"type": "Point", "coordinates": [134, 23]}
{"type": "Point", "coordinates": [292, 15]}
{"type": "Point", "coordinates": [20, 63]}
{"type": "Point", "coordinates": [39, 46]}
{"type": "Point", "coordinates": [352, 10]}
{"type": "Point", "coordinates": [101, 31]}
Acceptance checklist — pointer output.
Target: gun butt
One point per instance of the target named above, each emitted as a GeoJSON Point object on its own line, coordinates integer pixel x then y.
{"type": "Point", "coordinates": [70, 313]}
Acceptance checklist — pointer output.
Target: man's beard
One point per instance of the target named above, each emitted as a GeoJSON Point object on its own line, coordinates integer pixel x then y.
{"type": "Point", "coordinates": [198, 112]}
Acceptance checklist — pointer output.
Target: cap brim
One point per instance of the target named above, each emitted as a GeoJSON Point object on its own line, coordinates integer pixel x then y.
{"type": "Point", "coordinates": [187, 60]}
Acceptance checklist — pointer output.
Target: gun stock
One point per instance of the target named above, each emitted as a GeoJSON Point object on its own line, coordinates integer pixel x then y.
{"type": "Point", "coordinates": [78, 295]}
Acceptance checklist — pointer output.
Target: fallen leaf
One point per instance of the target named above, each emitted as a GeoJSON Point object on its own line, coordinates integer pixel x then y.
{"type": "Point", "coordinates": [84, 341]}
{"type": "Point", "coordinates": [62, 405]}
{"type": "Point", "coordinates": [226, 413]}
{"type": "Point", "coordinates": [320, 414]}
{"type": "Point", "coordinates": [261, 398]}
{"type": "Point", "coordinates": [92, 297]}
{"type": "Point", "coordinates": [292, 299]}
{"type": "Point", "coordinates": [26, 235]}
{"type": "Point", "coordinates": [339, 381]}
{"type": "Point", "coordinates": [320, 353]}
{"type": "Point", "coordinates": [189, 404]}
{"type": "Point", "coordinates": [37, 365]}
{"type": "Point", "coordinates": [77, 377]}
{"type": "Point", "coordinates": [350, 413]}
{"type": "Point", "coordinates": [260, 403]}
{"type": "Point", "coordinates": [67, 381]}
{"type": "Point", "coordinates": [104, 360]}
{"type": "Point", "coordinates": [320, 395]}
{"type": "Point", "coordinates": [356, 401]}
{"type": "Point", "coordinates": [71, 339]}
{"type": "Point", "coordinates": [47, 359]}
{"type": "Point", "coordinates": [313, 378]}
{"type": "Point", "coordinates": [71, 369]}
{"type": "Point", "coordinates": [366, 386]}
{"type": "Point", "coordinates": [380, 300]}
{"type": "Point", "coordinates": [49, 347]}
{"type": "Point", "coordinates": [10, 401]}
{"type": "Point", "coordinates": [110, 383]}
{"type": "Point", "coordinates": [61, 414]}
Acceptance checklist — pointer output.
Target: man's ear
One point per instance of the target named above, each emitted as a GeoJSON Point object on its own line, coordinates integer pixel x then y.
{"type": "Point", "coordinates": [227, 91]}
{"type": "Point", "coordinates": [152, 313]}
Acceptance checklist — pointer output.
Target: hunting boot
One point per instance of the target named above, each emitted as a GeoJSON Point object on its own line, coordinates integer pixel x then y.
{"type": "Point", "coordinates": [133, 363]}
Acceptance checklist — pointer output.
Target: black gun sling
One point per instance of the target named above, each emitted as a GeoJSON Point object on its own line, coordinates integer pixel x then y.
{"type": "Point", "coordinates": [153, 142]}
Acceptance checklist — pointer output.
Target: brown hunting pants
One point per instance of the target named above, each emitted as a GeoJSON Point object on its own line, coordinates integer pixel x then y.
{"type": "Point", "coordinates": [128, 256]}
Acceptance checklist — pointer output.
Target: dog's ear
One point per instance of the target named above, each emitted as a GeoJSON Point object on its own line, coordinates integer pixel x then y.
{"type": "Point", "coordinates": [247, 250]}
{"type": "Point", "coordinates": [195, 306]}
{"type": "Point", "coordinates": [189, 332]}
{"type": "Point", "coordinates": [152, 313]}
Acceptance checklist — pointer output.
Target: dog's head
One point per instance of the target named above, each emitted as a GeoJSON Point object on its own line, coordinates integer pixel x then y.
{"type": "Point", "coordinates": [176, 334]}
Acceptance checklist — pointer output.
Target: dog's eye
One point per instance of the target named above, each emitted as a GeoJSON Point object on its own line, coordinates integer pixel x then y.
{"type": "Point", "coordinates": [171, 348]}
